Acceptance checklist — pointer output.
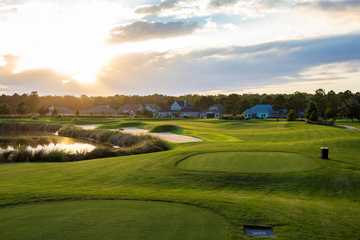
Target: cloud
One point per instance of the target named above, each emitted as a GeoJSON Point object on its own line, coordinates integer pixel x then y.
{"type": "Point", "coordinates": [237, 68]}
{"type": "Point", "coordinates": [345, 12]}
{"type": "Point", "coordinates": [42, 80]}
{"type": "Point", "coordinates": [281, 66]}
{"type": "Point", "coordinates": [157, 8]}
{"type": "Point", "coordinates": [222, 3]}
{"type": "Point", "coordinates": [336, 5]}
{"type": "Point", "coordinates": [142, 31]}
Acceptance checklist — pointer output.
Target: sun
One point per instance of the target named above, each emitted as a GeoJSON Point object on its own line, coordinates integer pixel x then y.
{"type": "Point", "coordinates": [70, 42]}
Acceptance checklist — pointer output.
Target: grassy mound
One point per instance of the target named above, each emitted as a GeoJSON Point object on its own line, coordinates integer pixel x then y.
{"type": "Point", "coordinates": [166, 128]}
{"type": "Point", "coordinates": [110, 220]}
{"type": "Point", "coordinates": [249, 162]}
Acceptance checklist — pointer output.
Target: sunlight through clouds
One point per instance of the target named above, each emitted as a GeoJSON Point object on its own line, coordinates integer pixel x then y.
{"type": "Point", "coordinates": [71, 39]}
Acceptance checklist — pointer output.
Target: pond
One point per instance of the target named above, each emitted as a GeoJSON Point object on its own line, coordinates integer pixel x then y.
{"type": "Point", "coordinates": [44, 143]}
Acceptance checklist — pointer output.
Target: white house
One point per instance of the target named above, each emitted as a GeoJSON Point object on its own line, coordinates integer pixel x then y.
{"type": "Point", "coordinates": [214, 111]}
{"type": "Point", "coordinates": [179, 109]}
{"type": "Point", "coordinates": [178, 106]}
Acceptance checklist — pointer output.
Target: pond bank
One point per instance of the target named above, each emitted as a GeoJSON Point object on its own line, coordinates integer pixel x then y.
{"type": "Point", "coordinates": [98, 143]}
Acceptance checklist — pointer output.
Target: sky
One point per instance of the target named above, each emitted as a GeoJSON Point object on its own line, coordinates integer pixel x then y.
{"type": "Point", "coordinates": [175, 47]}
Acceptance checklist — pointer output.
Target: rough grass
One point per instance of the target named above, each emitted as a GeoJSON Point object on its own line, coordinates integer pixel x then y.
{"type": "Point", "coordinates": [321, 204]}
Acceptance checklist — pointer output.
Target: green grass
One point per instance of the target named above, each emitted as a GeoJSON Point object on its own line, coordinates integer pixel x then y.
{"type": "Point", "coordinates": [249, 162]}
{"type": "Point", "coordinates": [302, 201]}
{"type": "Point", "coordinates": [102, 219]}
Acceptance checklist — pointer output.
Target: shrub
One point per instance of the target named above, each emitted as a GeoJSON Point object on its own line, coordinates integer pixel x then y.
{"type": "Point", "coordinates": [291, 115]}
{"type": "Point", "coordinates": [312, 112]}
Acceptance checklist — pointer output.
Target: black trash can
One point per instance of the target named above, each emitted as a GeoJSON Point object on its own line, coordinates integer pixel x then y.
{"type": "Point", "coordinates": [324, 153]}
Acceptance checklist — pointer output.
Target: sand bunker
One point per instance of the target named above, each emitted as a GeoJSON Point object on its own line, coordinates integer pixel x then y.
{"type": "Point", "coordinates": [88, 126]}
{"type": "Point", "coordinates": [170, 137]}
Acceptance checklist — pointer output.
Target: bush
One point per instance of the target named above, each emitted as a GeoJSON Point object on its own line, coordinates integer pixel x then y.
{"type": "Point", "coordinates": [291, 115]}
{"type": "Point", "coordinates": [312, 112]}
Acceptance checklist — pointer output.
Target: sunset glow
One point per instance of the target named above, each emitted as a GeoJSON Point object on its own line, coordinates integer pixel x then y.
{"type": "Point", "coordinates": [80, 43]}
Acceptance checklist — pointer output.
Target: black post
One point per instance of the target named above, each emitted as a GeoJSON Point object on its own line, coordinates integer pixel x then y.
{"type": "Point", "coordinates": [324, 153]}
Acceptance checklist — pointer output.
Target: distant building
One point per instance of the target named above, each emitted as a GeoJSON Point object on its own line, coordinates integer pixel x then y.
{"type": "Point", "coordinates": [264, 111]}
{"type": "Point", "coordinates": [261, 111]}
{"type": "Point", "coordinates": [60, 110]}
{"type": "Point", "coordinates": [215, 111]}
{"type": "Point", "coordinates": [132, 109]}
{"type": "Point", "coordinates": [99, 110]}
{"type": "Point", "coordinates": [153, 108]}
{"type": "Point", "coordinates": [179, 109]}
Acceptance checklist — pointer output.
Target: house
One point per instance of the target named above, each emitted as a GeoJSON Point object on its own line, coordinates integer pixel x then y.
{"type": "Point", "coordinates": [262, 111]}
{"type": "Point", "coordinates": [214, 111]}
{"type": "Point", "coordinates": [179, 109]}
{"type": "Point", "coordinates": [178, 106]}
{"type": "Point", "coordinates": [60, 110]}
{"type": "Point", "coordinates": [132, 109]}
{"type": "Point", "coordinates": [153, 108]}
{"type": "Point", "coordinates": [99, 110]}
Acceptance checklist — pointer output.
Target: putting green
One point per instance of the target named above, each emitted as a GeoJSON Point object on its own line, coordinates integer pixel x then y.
{"type": "Point", "coordinates": [249, 162]}
{"type": "Point", "coordinates": [110, 219]}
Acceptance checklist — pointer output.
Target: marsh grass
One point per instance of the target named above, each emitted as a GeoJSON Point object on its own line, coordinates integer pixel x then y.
{"type": "Point", "coordinates": [6, 127]}
{"type": "Point", "coordinates": [25, 155]}
{"type": "Point", "coordinates": [126, 143]}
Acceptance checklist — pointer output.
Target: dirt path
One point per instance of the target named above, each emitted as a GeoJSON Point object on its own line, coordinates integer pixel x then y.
{"type": "Point", "coordinates": [350, 127]}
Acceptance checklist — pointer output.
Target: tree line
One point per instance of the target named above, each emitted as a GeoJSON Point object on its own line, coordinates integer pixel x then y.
{"type": "Point", "coordinates": [320, 104]}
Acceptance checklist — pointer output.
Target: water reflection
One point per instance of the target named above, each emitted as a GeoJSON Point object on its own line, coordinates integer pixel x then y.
{"type": "Point", "coordinates": [46, 144]}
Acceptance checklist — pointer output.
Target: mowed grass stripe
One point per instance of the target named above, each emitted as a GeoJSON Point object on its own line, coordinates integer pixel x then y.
{"type": "Point", "coordinates": [112, 219]}
{"type": "Point", "coordinates": [249, 162]}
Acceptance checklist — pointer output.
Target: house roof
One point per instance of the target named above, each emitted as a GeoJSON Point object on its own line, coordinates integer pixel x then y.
{"type": "Point", "coordinates": [260, 108]}
{"type": "Point", "coordinates": [181, 103]}
{"type": "Point", "coordinates": [216, 108]}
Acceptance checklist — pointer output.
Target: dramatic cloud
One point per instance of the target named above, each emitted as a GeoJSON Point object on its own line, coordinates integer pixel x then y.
{"type": "Point", "coordinates": [141, 31]}
{"type": "Point", "coordinates": [285, 65]}
{"type": "Point", "coordinates": [42, 80]}
{"type": "Point", "coordinates": [177, 46]}
{"type": "Point", "coordinates": [337, 5]}
{"type": "Point", "coordinates": [157, 8]}
{"type": "Point", "coordinates": [239, 68]}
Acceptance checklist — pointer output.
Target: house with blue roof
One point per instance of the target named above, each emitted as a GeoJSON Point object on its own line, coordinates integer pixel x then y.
{"type": "Point", "coordinates": [261, 111]}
